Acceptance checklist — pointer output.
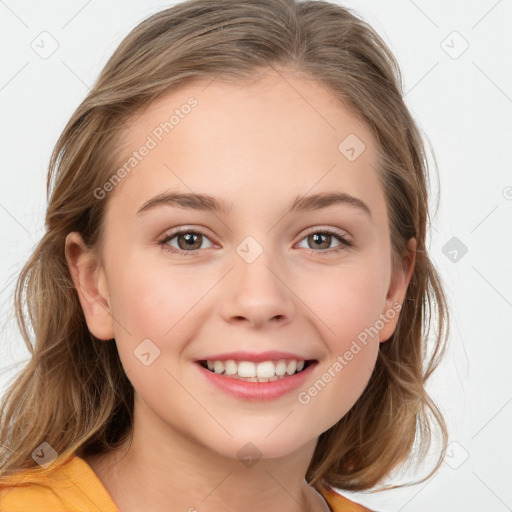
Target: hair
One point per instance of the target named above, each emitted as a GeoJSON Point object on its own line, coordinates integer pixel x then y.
{"type": "Point", "coordinates": [73, 393]}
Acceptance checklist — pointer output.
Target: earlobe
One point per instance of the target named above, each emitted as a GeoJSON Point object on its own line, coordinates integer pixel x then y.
{"type": "Point", "coordinates": [397, 291]}
{"type": "Point", "coordinates": [90, 283]}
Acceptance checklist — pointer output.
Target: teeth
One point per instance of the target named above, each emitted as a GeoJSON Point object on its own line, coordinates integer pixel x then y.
{"type": "Point", "coordinates": [218, 366]}
{"type": "Point", "coordinates": [265, 371]}
{"type": "Point", "coordinates": [292, 366]}
{"type": "Point", "coordinates": [231, 367]}
{"type": "Point", "coordinates": [246, 369]}
{"type": "Point", "coordinates": [281, 368]}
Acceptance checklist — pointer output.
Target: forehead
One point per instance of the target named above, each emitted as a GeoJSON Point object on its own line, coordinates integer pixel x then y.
{"type": "Point", "coordinates": [279, 134]}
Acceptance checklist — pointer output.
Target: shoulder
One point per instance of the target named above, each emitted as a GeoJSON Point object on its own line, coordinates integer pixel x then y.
{"type": "Point", "coordinates": [71, 487]}
{"type": "Point", "coordinates": [340, 503]}
{"type": "Point", "coordinates": [36, 497]}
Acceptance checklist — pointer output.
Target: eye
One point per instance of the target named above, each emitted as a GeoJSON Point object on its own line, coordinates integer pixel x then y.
{"type": "Point", "coordinates": [322, 239]}
{"type": "Point", "coordinates": [188, 241]}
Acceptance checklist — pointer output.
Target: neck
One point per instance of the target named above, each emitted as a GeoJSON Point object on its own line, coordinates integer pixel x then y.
{"type": "Point", "coordinates": [173, 469]}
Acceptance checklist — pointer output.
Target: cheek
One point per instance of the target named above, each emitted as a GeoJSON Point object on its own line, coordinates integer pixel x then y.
{"type": "Point", "coordinates": [348, 310]}
{"type": "Point", "coordinates": [154, 299]}
{"type": "Point", "coordinates": [351, 340]}
{"type": "Point", "coordinates": [338, 386]}
{"type": "Point", "coordinates": [345, 301]}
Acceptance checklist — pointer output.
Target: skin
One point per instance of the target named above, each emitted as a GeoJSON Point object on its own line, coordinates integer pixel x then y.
{"type": "Point", "coordinates": [258, 146]}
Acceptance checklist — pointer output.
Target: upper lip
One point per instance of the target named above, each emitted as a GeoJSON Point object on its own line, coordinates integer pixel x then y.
{"type": "Point", "coordinates": [271, 355]}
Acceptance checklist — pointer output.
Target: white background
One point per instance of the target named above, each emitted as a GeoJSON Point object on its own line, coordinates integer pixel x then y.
{"type": "Point", "coordinates": [462, 102]}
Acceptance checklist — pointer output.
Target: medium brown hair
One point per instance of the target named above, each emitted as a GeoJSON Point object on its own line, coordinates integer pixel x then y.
{"type": "Point", "coordinates": [73, 393]}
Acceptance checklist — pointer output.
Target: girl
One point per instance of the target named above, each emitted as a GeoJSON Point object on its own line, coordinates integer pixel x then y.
{"type": "Point", "coordinates": [232, 299]}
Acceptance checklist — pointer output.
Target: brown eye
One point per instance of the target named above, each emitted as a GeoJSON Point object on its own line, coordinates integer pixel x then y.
{"type": "Point", "coordinates": [189, 241]}
{"type": "Point", "coordinates": [320, 241]}
{"type": "Point", "coordinates": [184, 241]}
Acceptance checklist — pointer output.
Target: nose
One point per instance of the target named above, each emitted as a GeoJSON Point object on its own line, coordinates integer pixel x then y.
{"type": "Point", "coordinates": [258, 294]}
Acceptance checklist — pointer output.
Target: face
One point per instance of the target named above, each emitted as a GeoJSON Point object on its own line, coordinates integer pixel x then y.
{"type": "Point", "coordinates": [269, 275]}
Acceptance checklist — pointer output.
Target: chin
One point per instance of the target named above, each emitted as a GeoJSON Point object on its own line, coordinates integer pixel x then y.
{"type": "Point", "coordinates": [249, 449]}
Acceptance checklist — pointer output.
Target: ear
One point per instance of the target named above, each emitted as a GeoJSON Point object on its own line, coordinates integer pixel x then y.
{"type": "Point", "coordinates": [395, 297]}
{"type": "Point", "coordinates": [91, 285]}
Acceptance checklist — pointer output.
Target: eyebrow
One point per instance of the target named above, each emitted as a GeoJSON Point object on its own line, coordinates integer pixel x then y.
{"type": "Point", "coordinates": [210, 203]}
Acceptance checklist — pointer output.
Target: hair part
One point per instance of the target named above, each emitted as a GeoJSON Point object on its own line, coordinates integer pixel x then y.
{"type": "Point", "coordinates": [73, 393]}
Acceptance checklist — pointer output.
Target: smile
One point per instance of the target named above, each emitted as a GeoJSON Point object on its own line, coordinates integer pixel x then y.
{"type": "Point", "coordinates": [249, 371]}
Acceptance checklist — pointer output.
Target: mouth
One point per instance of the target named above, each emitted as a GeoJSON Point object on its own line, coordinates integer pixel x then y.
{"type": "Point", "coordinates": [263, 371]}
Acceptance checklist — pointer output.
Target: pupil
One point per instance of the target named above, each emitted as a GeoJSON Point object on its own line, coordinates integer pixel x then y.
{"type": "Point", "coordinates": [189, 239]}
{"type": "Point", "coordinates": [318, 238]}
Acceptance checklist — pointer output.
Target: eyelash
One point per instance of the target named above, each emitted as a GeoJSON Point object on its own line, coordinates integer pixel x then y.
{"type": "Point", "coordinates": [344, 241]}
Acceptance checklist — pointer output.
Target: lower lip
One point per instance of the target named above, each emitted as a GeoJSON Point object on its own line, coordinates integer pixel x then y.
{"type": "Point", "coordinates": [258, 391]}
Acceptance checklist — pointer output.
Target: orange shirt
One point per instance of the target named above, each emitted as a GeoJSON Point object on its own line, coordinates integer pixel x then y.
{"type": "Point", "coordinates": [75, 487]}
